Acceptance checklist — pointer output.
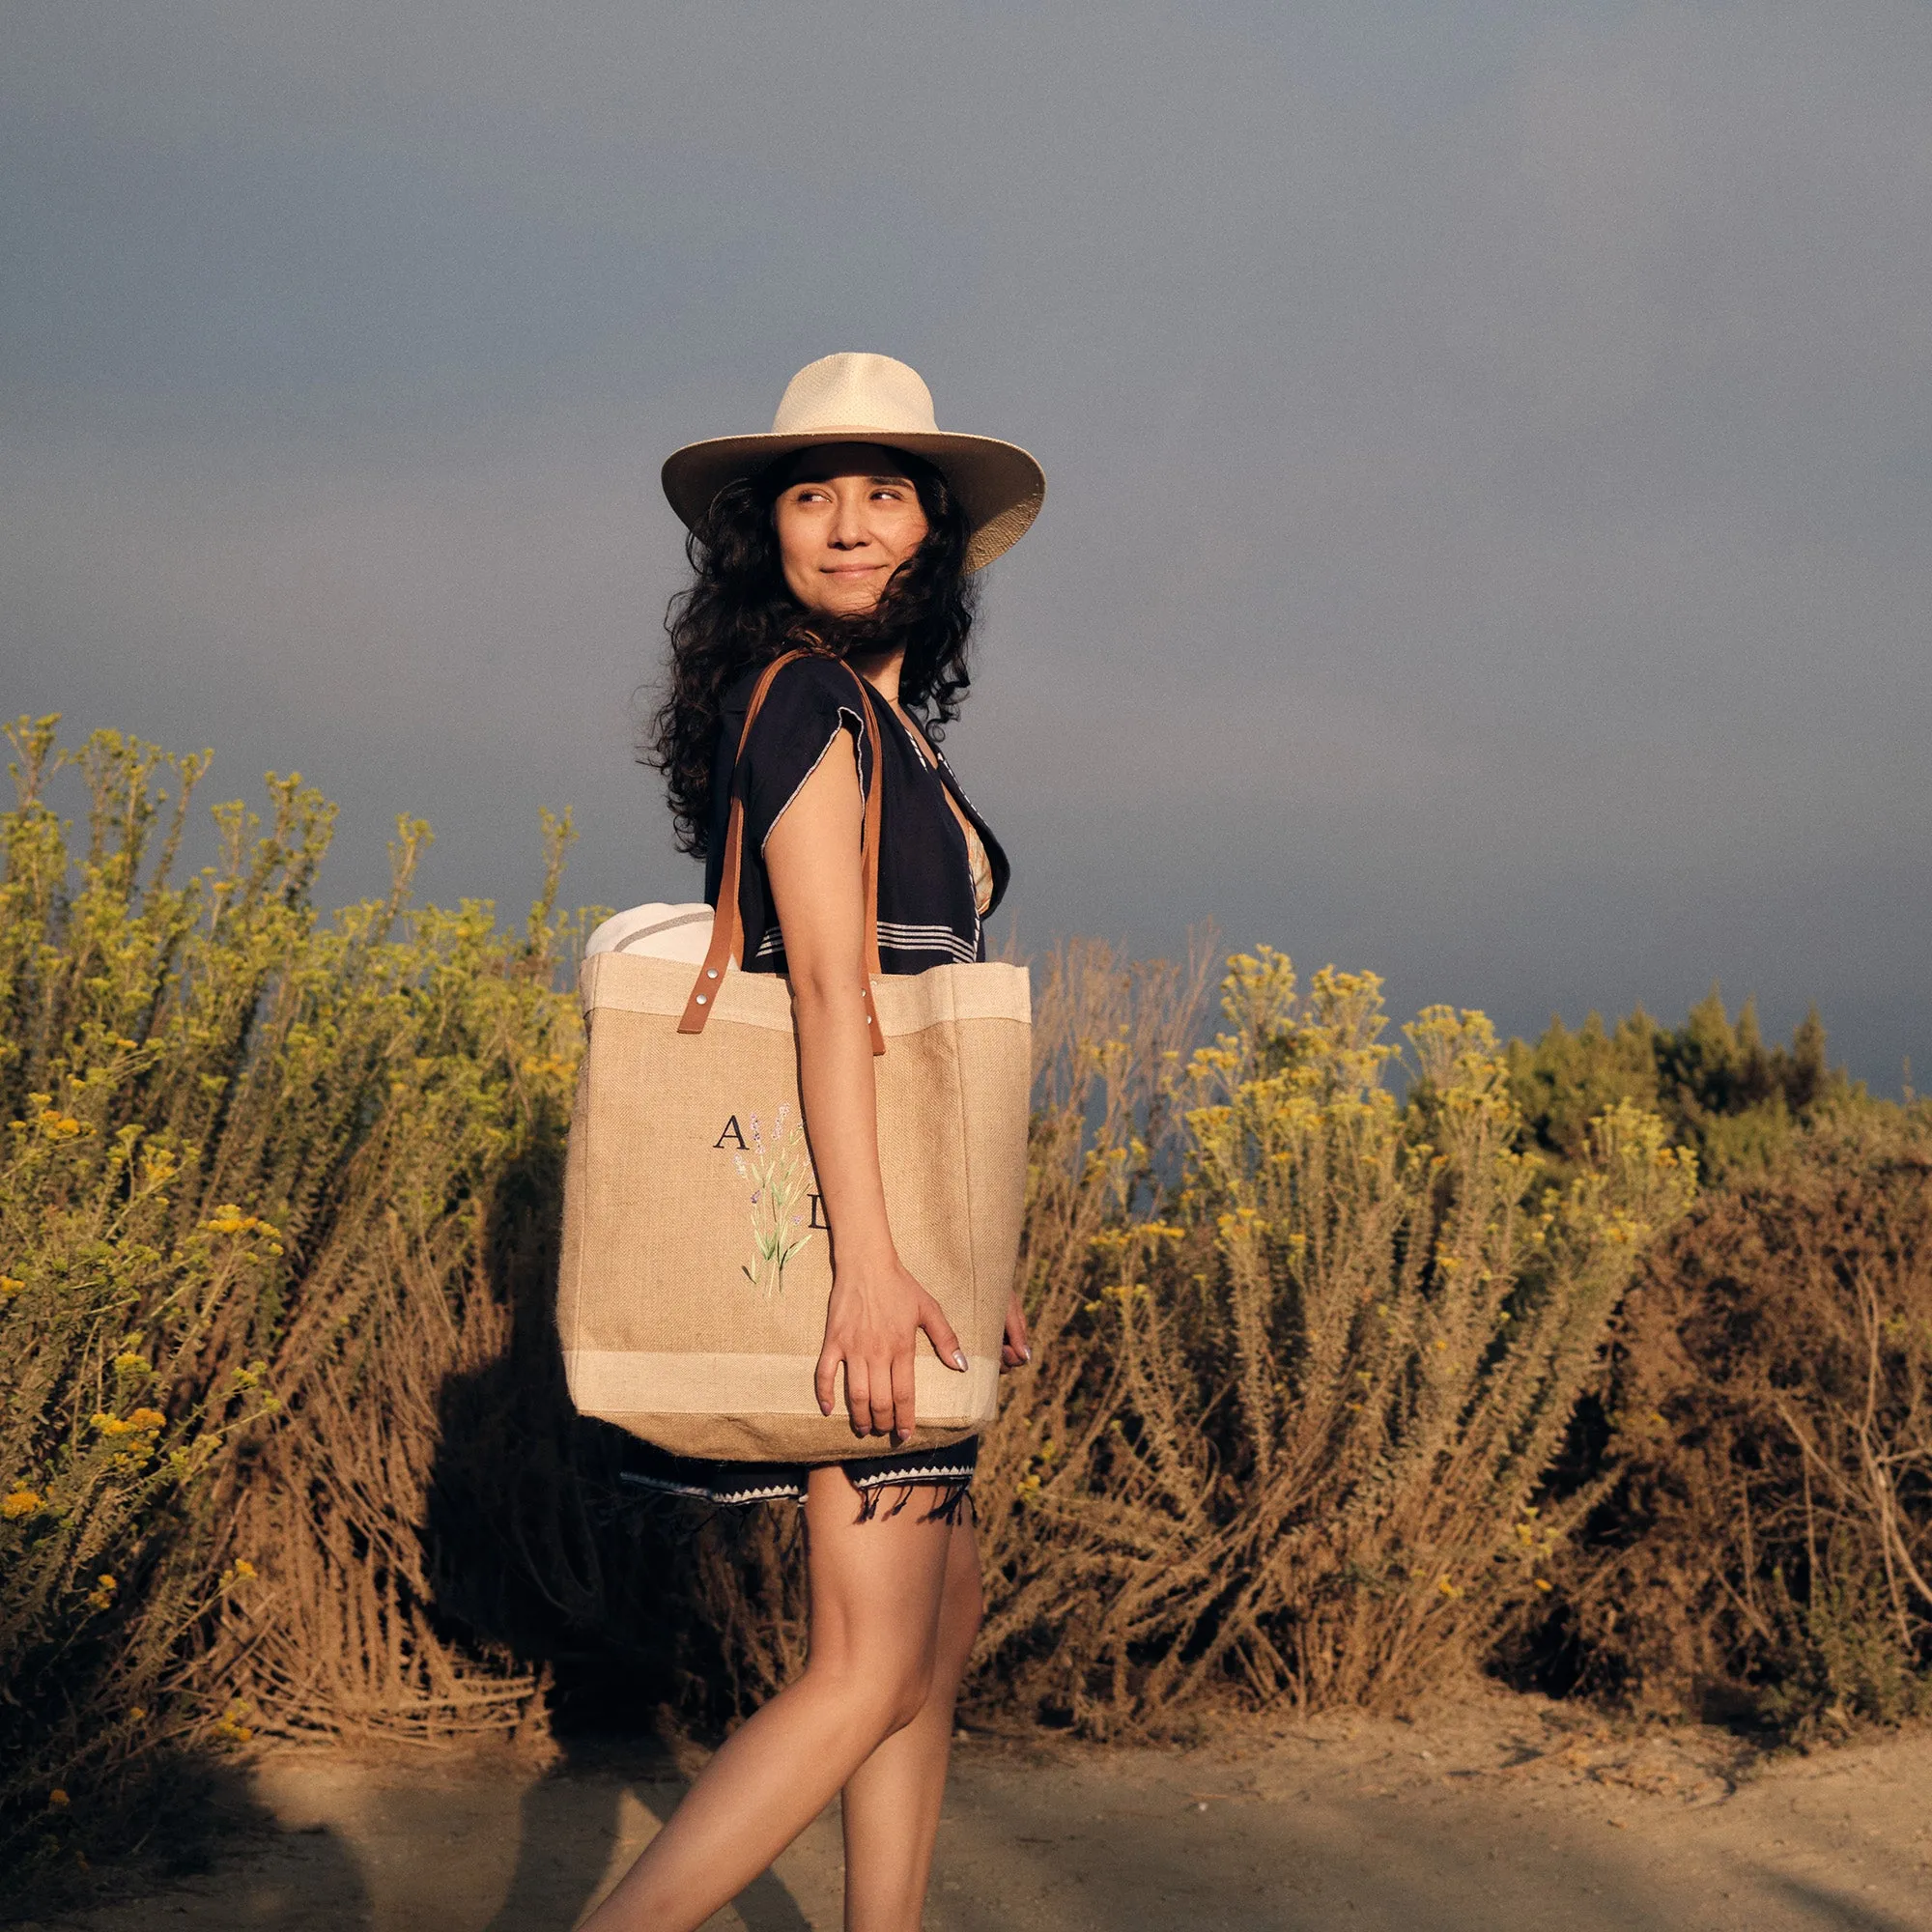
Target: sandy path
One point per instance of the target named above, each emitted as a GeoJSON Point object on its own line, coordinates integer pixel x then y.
{"type": "Point", "coordinates": [1506, 1812]}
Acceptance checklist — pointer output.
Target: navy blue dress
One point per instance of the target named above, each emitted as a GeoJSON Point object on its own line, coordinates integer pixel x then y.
{"type": "Point", "coordinates": [935, 893]}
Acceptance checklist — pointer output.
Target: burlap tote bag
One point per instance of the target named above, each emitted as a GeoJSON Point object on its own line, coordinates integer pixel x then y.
{"type": "Point", "coordinates": [696, 1260]}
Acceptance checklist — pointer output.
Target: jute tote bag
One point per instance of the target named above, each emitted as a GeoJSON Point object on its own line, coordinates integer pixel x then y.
{"type": "Point", "coordinates": [696, 1259]}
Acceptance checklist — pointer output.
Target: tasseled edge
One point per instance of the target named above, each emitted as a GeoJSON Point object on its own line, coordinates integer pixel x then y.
{"type": "Point", "coordinates": [951, 1499]}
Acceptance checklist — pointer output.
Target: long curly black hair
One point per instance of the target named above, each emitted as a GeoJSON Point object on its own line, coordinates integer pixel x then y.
{"type": "Point", "coordinates": [738, 613]}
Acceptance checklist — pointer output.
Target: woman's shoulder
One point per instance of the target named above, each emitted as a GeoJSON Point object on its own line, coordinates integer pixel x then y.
{"type": "Point", "coordinates": [808, 683]}
{"type": "Point", "coordinates": [810, 691]}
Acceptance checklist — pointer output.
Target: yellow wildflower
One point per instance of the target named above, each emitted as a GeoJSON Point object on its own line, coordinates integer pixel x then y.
{"type": "Point", "coordinates": [1543, 1582]}
{"type": "Point", "coordinates": [58, 1799]}
{"type": "Point", "coordinates": [230, 1725]}
{"type": "Point", "coordinates": [244, 1569]}
{"type": "Point", "coordinates": [21, 1502]}
{"type": "Point", "coordinates": [139, 1712]}
{"type": "Point", "coordinates": [128, 1363]}
{"type": "Point", "coordinates": [9, 1286]}
{"type": "Point", "coordinates": [148, 1419]}
{"type": "Point", "coordinates": [229, 1219]}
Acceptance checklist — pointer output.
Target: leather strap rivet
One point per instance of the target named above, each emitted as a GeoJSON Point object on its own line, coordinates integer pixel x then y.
{"type": "Point", "coordinates": [701, 999]}
{"type": "Point", "coordinates": [712, 973]}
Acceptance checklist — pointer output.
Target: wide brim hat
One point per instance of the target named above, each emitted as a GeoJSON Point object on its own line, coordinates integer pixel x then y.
{"type": "Point", "coordinates": [858, 398]}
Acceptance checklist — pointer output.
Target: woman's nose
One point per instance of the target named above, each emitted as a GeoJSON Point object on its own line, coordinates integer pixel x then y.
{"type": "Point", "coordinates": [848, 530]}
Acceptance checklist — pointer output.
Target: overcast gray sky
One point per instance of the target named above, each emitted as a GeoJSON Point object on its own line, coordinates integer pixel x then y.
{"type": "Point", "coordinates": [1490, 446]}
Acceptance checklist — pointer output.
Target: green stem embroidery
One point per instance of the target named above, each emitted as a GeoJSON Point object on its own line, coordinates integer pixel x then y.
{"type": "Point", "coordinates": [781, 1174]}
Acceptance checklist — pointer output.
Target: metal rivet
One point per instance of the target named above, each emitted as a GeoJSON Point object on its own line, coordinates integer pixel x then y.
{"type": "Point", "coordinates": [711, 973]}
{"type": "Point", "coordinates": [701, 999]}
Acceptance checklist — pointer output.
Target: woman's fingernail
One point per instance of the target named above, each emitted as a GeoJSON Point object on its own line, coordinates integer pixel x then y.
{"type": "Point", "coordinates": [959, 1358]}
{"type": "Point", "coordinates": [1026, 1354]}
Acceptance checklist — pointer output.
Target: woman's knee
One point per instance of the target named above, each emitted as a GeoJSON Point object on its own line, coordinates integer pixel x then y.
{"type": "Point", "coordinates": [884, 1693]}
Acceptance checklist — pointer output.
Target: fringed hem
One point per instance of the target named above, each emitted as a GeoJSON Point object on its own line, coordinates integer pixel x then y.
{"type": "Point", "coordinates": [955, 1498]}
{"type": "Point", "coordinates": [670, 1479]}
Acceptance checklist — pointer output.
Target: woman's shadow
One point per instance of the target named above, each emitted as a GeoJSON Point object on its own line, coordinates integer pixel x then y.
{"type": "Point", "coordinates": [538, 1559]}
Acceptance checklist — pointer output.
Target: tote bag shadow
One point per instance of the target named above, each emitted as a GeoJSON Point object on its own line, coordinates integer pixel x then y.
{"type": "Point", "coordinates": [696, 1258]}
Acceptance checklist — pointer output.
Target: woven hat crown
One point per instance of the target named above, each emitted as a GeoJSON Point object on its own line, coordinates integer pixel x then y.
{"type": "Point", "coordinates": [856, 392]}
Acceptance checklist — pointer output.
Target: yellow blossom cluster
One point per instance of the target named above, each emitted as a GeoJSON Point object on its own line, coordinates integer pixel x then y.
{"type": "Point", "coordinates": [229, 1727]}
{"type": "Point", "coordinates": [20, 1503]}
{"type": "Point", "coordinates": [49, 1120]}
{"type": "Point", "coordinates": [229, 1219]}
{"type": "Point", "coordinates": [102, 1596]}
{"type": "Point", "coordinates": [142, 1422]}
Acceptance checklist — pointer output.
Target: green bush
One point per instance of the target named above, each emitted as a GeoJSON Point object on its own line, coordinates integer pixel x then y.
{"type": "Point", "coordinates": [1718, 1089]}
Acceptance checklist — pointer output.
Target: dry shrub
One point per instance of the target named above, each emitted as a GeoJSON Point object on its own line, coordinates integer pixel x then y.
{"type": "Point", "coordinates": [1768, 1546]}
{"type": "Point", "coordinates": [1110, 1041]}
{"type": "Point", "coordinates": [1290, 1412]}
{"type": "Point", "coordinates": [262, 1176]}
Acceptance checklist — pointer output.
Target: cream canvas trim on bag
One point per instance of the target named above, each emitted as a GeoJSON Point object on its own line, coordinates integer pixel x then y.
{"type": "Point", "coordinates": [906, 1002]}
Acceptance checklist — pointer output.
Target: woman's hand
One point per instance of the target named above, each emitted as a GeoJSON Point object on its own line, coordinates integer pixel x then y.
{"type": "Point", "coordinates": [1015, 1349]}
{"type": "Point", "coordinates": [873, 1324]}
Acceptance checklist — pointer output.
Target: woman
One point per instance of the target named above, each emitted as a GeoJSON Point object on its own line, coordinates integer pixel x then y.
{"type": "Point", "coordinates": [851, 530]}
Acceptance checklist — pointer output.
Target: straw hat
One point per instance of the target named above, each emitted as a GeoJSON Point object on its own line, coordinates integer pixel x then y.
{"type": "Point", "coordinates": [853, 398]}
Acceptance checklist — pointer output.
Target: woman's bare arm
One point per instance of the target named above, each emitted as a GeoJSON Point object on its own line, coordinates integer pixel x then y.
{"type": "Point", "coordinates": [877, 1308]}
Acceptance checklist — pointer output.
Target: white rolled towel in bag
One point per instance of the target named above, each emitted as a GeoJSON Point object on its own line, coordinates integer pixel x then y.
{"type": "Point", "coordinates": [656, 930]}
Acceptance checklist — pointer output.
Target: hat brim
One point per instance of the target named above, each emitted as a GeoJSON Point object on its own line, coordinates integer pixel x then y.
{"type": "Point", "coordinates": [998, 485]}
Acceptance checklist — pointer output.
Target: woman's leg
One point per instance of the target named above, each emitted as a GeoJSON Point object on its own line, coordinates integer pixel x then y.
{"type": "Point", "coordinates": [891, 1801]}
{"type": "Point", "coordinates": [878, 1589]}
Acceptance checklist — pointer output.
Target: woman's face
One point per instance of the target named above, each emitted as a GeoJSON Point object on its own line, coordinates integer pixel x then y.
{"type": "Point", "coordinates": [847, 518]}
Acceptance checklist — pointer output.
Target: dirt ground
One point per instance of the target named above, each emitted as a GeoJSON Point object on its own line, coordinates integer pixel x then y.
{"type": "Point", "coordinates": [1501, 1812]}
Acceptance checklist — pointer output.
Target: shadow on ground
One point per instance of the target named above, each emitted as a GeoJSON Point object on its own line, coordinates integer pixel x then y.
{"type": "Point", "coordinates": [578, 1828]}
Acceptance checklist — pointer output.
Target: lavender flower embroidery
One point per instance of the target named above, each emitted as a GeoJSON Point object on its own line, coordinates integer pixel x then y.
{"type": "Point", "coordinates": [781, 1174]}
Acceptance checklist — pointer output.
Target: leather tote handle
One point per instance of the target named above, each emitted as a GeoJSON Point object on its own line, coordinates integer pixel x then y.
{"type": "Point", "coordinates": [728, 928]}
